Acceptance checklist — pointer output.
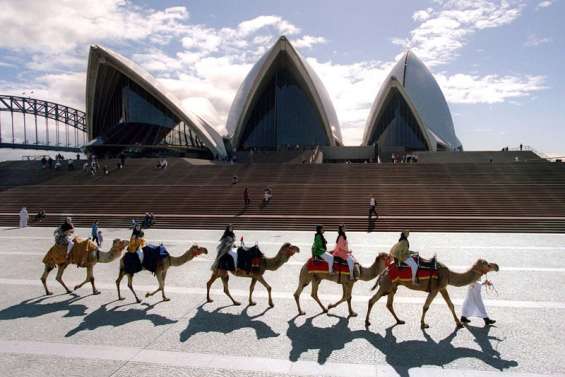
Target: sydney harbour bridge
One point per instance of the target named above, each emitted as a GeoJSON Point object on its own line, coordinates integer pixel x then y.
{"type": "Point", "coordinates": [30, 123]}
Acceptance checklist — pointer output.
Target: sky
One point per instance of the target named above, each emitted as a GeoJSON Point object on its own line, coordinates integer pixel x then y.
{"type": "Point", "coordinates": [498, 63]}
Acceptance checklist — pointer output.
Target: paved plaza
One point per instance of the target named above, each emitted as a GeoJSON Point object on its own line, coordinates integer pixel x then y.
{"type": "Point", "coordinates": [85, 335]}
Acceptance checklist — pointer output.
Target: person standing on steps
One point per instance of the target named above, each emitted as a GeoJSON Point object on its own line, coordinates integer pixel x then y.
{"type": "Point", "coordinates": [24, 217]}
{"type": "Point", "coordinates": [473, 306]}
{"type": "Point", "coordinates": [246, 199]}
{"type": "Point", "coordinates": [94, 232]}
{"type": "Point", "coordinates": [373, 208]}
{"type": "Point", "coordinates": [319, 248]}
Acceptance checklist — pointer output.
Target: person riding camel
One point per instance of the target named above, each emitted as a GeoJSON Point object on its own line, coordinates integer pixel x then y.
{"type": "Point", "coordinates": [342, 250]}
{"type": "Point", "coordinates": [401, 252]}
{"type": "Point", "coordinates": [64, 235]}
{"type": "Point", "coordinates": [319, 248]}
{"type": "Point", "coordinates": [136, 244]}
{"type": "Point", "coordinates": [226, 246]}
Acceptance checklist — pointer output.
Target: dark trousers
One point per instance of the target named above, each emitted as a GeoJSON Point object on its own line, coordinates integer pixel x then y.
{"type": "Point", "coordinates": [373, 210]}
{"type": "Point", "coordinates": [95, 239]}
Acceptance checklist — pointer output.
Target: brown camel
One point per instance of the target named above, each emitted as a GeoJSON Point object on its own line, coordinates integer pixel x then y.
{"type": "Point", "coordinates": [84, 253]}
{"type": "Point", "coordinates": [445, 278]}
{"type": "Point", "coordinates": [365, 274]}
{"type": "Point", "coordinates": [160, 272]}
{"type": "Point", "coordinates": [267, 264]}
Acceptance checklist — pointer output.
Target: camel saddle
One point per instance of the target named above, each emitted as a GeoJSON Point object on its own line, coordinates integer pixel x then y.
{"type": "Point", "coordinates": [79, 254]}
{"type": "Point", "coordinates": [427, 269]}
{"type": "Point", "coordinates": [320, 266]}
{"type": "Point", "coordinates": [153, 255]}
{"type": "Point", "coordinates": [248, 260]}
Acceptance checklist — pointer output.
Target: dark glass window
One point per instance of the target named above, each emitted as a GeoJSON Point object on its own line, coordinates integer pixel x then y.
{"type": "Point", "coordinates": [397, 127]}
{"type": "Point", "coordinates": [283, 113]}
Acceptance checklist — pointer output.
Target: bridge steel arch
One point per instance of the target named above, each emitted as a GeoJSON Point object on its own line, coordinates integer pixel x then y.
{"type": "Point", "coordinates": [73, 121]}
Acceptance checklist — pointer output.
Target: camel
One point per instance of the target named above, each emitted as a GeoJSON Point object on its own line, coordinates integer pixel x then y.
{"type": "Point", "coordinates": [433, 286]}
{"type": "Point", "coordinates": [286, 251]}
{"type": "Point", "coordinates": [160, 272]}
{"type": "Point", "coordinates": [85, 253]}
{"type": "Point", "coordinates": [365, 274]}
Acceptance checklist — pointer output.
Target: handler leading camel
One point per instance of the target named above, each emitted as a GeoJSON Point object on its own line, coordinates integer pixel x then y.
{"type": "Point", "coordinates": [434, 286]}
{"type": "Point", "coordinates": [365, 274]}
{"type": "Point", "coordinates": [286, 251]}
{"type": "Point", "coordinates": [84, 253]}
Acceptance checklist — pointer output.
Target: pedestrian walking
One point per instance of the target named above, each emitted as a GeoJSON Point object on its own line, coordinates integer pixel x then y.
{"type": "Point", "coordinates": [24, 217]}
{"type": "Point", "coordinates": [246, 199]}
{"type": "Point", "coordinates": [373, 208]}
{"type": "Point", "coordinates": [94, 232]}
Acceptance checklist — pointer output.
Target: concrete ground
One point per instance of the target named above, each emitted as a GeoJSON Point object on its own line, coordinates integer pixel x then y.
{"type": "Point", "coordinates": [85, 335]}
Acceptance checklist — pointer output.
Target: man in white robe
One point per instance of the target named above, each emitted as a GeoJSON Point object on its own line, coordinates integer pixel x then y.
{"type": "Point", "coordinates": [24, 217]}
{"type": "Point", "coordinates": [473, 306]}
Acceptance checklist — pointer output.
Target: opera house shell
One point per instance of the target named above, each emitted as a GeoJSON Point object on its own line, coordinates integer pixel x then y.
{"type": "Point", "coordinates": [410, 112]}
{"type": "Point", "coordinates": [127, 107]}
{"type": "Point", "coordinates": [282, 102]}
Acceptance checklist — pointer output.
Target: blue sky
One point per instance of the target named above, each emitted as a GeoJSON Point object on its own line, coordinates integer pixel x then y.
{"type": "Point", "coordinates": [499, 63]}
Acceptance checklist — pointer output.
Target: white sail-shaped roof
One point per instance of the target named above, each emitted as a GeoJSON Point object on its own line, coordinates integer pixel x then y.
{"type": "Point", "coordinates": [100, 55]}
{"type": "Point", "coordinates": [423, 95]}
{"type": "Point", "coordinates": [250, 88]}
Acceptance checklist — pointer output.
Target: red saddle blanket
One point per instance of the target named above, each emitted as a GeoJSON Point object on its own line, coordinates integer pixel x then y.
{"type": "Point", "coordinates": [405, 273]}
{"type": "Point", "coordinates": [315, 266]}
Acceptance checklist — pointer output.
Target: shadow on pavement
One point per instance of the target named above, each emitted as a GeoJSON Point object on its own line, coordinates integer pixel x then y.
{"type": "Point", "coordinates": [225, 323]}
{"type": "Point", "coordinates": [402, 356]}
{"type": "Point", "coordinates": [114, 317]}
{"type": "Point", "coordinates": [34, 307]}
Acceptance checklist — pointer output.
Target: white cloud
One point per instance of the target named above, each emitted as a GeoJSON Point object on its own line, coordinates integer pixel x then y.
{"type": "Point", "coordinates": [444, 31]}
{"type": "Point", "coordinates": [544, 4]}
{"type": "Point", "coordinates": [534, 40]}
{"type": "Point", "coordinates": [473, 89]}
{"type": "Point", "coordinates": [261, 22]}
{"type": "Point", "coordinates": [308, 41]}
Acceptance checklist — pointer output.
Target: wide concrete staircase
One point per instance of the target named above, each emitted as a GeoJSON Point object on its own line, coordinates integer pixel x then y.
{"type": "Point", "coordinates": [470, 197]}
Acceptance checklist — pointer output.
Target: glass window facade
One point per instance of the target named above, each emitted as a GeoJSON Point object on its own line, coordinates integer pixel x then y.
{"type": "Point", "coordinates": [282, 113]}
{"type": "Point", "coordinates": [396, 127]}
{"type": "Point", "coordinates": [129, 115]}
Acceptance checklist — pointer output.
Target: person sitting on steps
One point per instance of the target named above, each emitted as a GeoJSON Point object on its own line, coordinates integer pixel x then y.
{"type": "Point", "coordinates": [319, 249]}
{"type": "Point", "coordinates": [342, 250]}
{"type": "Point", "coordinates": [401, 252]}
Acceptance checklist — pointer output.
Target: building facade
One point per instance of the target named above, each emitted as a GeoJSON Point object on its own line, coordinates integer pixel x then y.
{"type": "Point", "coordinates": [128, 109]}
{"type": "Point", "coordinates": [282, 103]}
{"type": "Point", "coordinates": [410, 112]}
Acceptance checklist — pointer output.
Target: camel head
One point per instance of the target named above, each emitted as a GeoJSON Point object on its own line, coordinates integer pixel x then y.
{"type": "Point", "coordinates": [484, 267]}
{"type": "Point", "coordinates": [382, 260]}
{"type": "Point", "coordinates": [119, 245]}
{"type": "Point", "coordinates": [196, 250]}
{"type": "Point", "coordinates": [289, 250]}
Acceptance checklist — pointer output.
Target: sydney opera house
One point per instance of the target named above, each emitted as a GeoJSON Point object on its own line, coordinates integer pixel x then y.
{"type": "Point", "coordinates": [281, 103]}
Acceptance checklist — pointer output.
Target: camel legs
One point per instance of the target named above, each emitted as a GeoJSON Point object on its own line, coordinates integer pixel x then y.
{"type": "Point", "coordinates": [261, 280]}
{"type": "Point", "coordinates": [215, 275]}
{"type": "Point", "coordinates": [451, 307]}
{"type": "Point", "coordinates": [160, 274]}
{"type": "Point", "coordinates": [59, 277]}
{"type": "Point", "coordinates": [46, 272]}
{"type": "Point", "coordinates": [251, 288]}
{"type": "Point", "coordinates": [225, 279]}
{"type": "Point", "coordinates": [341, 300]}
{"type": "Point", "coordinates": [130, 286]}
{"type": "Point", "coordinates": [346, 297]}
{"type": "Point", "coordinates": [302, 283]}
{"type": "Point", "coordinates": [380, 293]}
{"type": "Point", "coordinates": [314, 294]}
{"type": "Point", "coordinates": [390, 307]}
{"type": "Point", "coordinates": [427, 304]}
{"type": "Point", "coordinates": [89, 278]}
{"type": "Point", "coordinates": [118, 281]}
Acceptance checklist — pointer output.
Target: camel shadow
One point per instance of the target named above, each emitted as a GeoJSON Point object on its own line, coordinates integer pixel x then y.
{"type": "Point", "coordinates": [401, 356]}
{"type": "Point", "coordinates": [216, 321]}
{"type": "Point", "coordinates": [115, 318]}
{"type": "Point", "coordinates": [34, 307]}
